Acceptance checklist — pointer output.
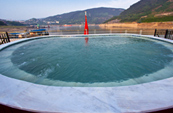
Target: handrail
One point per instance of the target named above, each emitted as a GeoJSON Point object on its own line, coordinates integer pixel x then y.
{"type": "Point", "coordinates": [165, 33]}
{"type": "Point", "coordinates": [4, 38]}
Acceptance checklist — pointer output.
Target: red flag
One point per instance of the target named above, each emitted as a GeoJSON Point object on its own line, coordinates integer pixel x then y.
{"type": "Point", "coordinates": [86, 29]}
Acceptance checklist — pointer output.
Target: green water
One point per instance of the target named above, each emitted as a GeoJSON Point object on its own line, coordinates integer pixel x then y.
{"type": "Point", "coordinates": [101, 60]}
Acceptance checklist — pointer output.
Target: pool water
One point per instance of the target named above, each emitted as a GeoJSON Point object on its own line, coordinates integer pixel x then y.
{"type": "Point", "coordinates": [92, 61]}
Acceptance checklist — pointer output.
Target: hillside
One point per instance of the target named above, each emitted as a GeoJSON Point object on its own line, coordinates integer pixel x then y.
{"type": "Point", "coordinates": [10, 23]}
{"type": "Point", "coordinates": [95, 16]}
{"type": "Point", "coordinates": [2, 23]}
{"type": "Point", "coordinates": [147, 11]}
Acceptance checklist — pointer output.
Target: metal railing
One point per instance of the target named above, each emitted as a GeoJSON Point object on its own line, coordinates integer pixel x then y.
{"type": "Point", "coordinates": [164, 33]}
{"type": "Point", "coordinates": [103, 31]}
{"type": "Point", "coordinates": [160, 33]}
{"type": "Point", "coordinates": [4, 38]}
{"type": "Point", "coordinates": [169, 34]}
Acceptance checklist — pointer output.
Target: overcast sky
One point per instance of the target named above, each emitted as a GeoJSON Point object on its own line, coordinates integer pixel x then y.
{"type": "Point", "coordinates": [27, 9]}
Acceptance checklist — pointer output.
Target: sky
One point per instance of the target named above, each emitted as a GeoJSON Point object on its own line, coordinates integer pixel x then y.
{"type": "Point", "coordinates": [27, 9]}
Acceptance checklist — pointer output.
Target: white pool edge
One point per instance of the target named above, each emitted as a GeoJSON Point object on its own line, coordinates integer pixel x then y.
{"type": "Point", "coordinates": [145, 97]}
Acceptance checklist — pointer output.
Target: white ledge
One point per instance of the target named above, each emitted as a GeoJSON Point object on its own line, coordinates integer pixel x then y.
{"type": "Point", "coordinates": [145, 97]}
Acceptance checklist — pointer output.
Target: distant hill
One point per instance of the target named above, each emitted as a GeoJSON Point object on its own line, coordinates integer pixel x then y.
{"type": "Point", "coordinates": [10, 23]}
{"type": "Point", "coordinates": [95, 16]}
{"type": "Point", "coordinates": [14, 23]}
{"type": "Point", "coordinates": [147, 11]}
{"type": "Point", "coordinates": [2, 23]}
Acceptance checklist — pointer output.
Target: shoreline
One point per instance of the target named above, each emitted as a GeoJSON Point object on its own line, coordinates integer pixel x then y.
{"type": "Point", "coordinates": [11, 29]}
{"type": "Point", "coordinates": [132, 27]}
{"type": "Point", "coordinates": [152, 25]}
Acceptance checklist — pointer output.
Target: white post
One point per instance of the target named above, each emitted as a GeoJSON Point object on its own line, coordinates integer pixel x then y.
{"type": "Point", "coordinates": [94, 31]}
{"type": "Point", "coordinates": [125, 31]}
{"type": "Point", "coordinates": [140, 32]}
{"type": "Point", "coordinates": [110, 31]}
{"type": "Point", "coordinates": [61, 32]}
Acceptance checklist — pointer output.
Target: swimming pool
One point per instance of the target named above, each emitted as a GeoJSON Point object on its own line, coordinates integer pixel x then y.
{"type": "Point", "coordinates": [113, 60]}
{"type": "Point", "coordinates": [26, 90]}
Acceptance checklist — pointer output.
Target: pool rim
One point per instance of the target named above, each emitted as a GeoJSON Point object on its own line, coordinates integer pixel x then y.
{"type": "Point", "coordinates": [28, 85]}
{"type": "Point", "coordinates": [141, 79]}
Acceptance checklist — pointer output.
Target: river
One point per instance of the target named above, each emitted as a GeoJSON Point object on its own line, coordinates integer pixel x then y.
{"type": "Point", "coordinates": [95, 29]}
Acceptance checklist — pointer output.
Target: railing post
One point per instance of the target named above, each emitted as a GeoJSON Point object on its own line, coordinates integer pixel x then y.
{"type": "Point", "coordinates": [94, 31]}
{"type": "Point", "coordinates": [171, 34]}
{"type": "Point", "coordinates": [8, 38]}
{"type": "Point", "coordinates": [155, 32]}
{"type": "Point", "coordinates": [61, 32]}
{"type": "Point", "coordinates": [125, 31]}
{"type": "Point", "coordinates": [110, 31]}
{"type": "Point", "coordinates": [1, 39]}
{"type": "Point", "coordinates": [166, 33]}
{"type": "Point", "coordinates": [140, 32]}
{"type": "Point", "coordinates": [4, 38]}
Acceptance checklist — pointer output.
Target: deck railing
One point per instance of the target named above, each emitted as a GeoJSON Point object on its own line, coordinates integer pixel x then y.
{"type": "Point", "coordinates": [103, 31]}
{"type": "Point", "coordinates": [4, 38]}
{"type": "Point", "coordinates": [164, 33]}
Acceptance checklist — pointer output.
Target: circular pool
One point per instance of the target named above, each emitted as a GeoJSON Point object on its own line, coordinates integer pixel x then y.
{"type": "Point", "coordinates": [96, 61]}
{"type": "Point", "coordinates": [98, 73]}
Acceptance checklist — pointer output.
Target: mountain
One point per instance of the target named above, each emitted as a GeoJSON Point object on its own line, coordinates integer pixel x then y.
{"type": "Point", "coordinates": [2, 23]}
{"type": "Point", "coordinates": [95, 16]}
{"type": "Point", "coordinates": [147, 11]}
{"type": "Point", "coordinates": [10, 23]}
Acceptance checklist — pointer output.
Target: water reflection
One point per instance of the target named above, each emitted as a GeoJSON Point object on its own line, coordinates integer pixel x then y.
{"type": "Point", "coordinates": [86, 41]}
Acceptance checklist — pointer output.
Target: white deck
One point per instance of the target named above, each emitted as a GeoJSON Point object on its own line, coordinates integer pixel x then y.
{"type": "Point", "coordinates": [145, 97]}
